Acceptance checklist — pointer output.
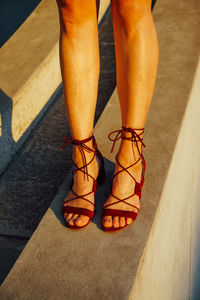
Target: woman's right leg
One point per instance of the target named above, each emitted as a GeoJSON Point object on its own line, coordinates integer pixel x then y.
{"type": "Point", "coordinates": [80, 65]}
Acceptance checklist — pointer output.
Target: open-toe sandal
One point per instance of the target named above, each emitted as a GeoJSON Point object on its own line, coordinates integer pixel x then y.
{"type": "Point", "coordinates": [134, 137]}
{"type": "Point", "coordinates": [81, 144]}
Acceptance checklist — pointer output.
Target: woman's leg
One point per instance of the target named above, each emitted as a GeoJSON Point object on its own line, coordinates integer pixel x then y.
{"type": "Point", "coordinates": [136, 46]}
{"type": "Point", "coordinates": [79, 59]}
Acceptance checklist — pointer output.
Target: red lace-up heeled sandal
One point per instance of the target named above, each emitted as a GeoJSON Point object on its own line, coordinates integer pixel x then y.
{"type": "Point", "coordinates": [81, 144]}
{"type": "Point", "coordinates": [107, 211]}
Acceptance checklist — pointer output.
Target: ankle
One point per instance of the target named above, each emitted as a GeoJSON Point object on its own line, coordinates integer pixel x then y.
{"type": "Point", "coordinates": [128, 152]}
{"type": "Point", "coordinates": [78, 158]}
{"type": "Point", "coordinates": [126, 161]}
{"type": "Point", "coordinates": [91, 160]}
{"type": "Point", "coordinates": [82, 183]}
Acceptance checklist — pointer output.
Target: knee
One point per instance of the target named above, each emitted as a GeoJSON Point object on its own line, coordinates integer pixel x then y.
{"type": "Point", "coordinates": [131, 11]}
{"type": "Point", "coordinates": [75, 12]}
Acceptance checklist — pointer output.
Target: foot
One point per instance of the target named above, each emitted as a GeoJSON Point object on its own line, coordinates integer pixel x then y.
{"type": "Point", "coordinates": [82, 186]}
{"type": "Point", "coordinates": [124, 186]}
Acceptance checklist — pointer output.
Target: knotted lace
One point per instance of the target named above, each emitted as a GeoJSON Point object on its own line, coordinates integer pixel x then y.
{"type": "Point", "coordinates": [134, 138]}
{"type": "Point", "coordinates": [82, 147]}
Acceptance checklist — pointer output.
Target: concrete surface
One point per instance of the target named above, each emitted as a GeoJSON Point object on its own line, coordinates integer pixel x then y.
{"type": "Point", "coordinates": [171, 254]}
{"type": "Point", "coordinates": [37, 171]}
{"type": "Point", "coordinates": [153, 258]}
{"type": "Point", "coordinates": [31, 52]}
{"type": "Point", "coordinates": [12, 15]}
{"type": "Point", "coordinates": [195, 183]}
{"type": "Point", "coordinates": [12, 247]}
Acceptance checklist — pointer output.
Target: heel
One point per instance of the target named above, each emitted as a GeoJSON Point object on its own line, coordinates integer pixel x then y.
{"type": "Point", "coordinates": [101, 177]}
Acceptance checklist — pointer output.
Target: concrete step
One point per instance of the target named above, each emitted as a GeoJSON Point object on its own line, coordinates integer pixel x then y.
{"type": "Point", "coordinates": [12, 247]}
{"type": "Point", "coordinates": [156, 257]}
{"type": "Point", "coordinates": [37, 171]}
{"type": "Point", "coordinates": [30, 77]}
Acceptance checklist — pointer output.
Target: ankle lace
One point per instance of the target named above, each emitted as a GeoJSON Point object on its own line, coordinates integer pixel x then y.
{"type": "Point", "coordinates": [134, 138]}
{"type": "Point", "coordinates": [82, 147]}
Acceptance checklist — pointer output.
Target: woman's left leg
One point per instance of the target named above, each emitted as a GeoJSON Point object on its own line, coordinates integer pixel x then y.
{"type": "Point", "coordinates": [137, 52]}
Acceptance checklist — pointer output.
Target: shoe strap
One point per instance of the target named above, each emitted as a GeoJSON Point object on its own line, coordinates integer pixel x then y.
{"type": "Point", "coordinates": [121, 200]}
{"type": "Point", "coordinates": [126, 169]}
{"type": "Point", "coordinates": [82, 147]}
{"type": "Point", "coordinates": [81, 197]}
{"type": "Point", "coordinates": [134, 138]}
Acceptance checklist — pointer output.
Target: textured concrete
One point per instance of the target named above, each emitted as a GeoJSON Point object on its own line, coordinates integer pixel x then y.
{"type": "Point", "coordinates": [171, 254]}
{"type": "Point", "coordinates": [11, 247]}
{"type": "Point", "coordinates": [91, 264]}
{"type": "Point", "coordinates": [195, 207]}
{"type": "Point", "coordinates": [38, 170]}
{"type": "Point", "coordinates": [32, 180]}
{"type": "Point", "coordinates": [32, 52]}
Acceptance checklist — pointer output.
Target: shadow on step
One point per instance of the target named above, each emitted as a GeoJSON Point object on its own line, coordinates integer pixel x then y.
{"type": "Point", "coordinates": [7, 144]}
{"type": "Point", "coordinates": [101, 196]}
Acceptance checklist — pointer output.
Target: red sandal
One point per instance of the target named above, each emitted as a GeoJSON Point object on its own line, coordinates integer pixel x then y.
{"type": "Point", "coordinates": [135, 138]}
{"type": "Point", "coordinates": [100, 179]}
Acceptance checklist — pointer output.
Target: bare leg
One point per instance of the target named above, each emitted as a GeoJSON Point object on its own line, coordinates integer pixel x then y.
{"type": "Point", "coordinates": [79, 59]}
{"type": "Point", "coordinates": [137, 54]}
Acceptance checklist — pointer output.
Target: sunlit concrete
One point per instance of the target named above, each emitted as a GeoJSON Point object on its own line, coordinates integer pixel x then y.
{"type": "Point", "coordinates": [156, 257]}
{"type": "Point", "coordinates": [169, 266]}
{"type": "Point", "coordinates": [29, 75]}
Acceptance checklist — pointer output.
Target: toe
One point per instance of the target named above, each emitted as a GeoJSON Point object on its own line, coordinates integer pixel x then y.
{"type": "Point", "coordinates": [129, 220]}
{"type": "Point", "coordinates": [73, 218]}
{"type": "Point", "coordinates": [68, 216]}
{"type": "Point", "coordinates": [81, 220]}
{"type": "Point", "coordinates": [116, 222]}
{"type": "Point", "coordinates": [122, 222]}
{"type": "Point", "coordinates": [107, 221]}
